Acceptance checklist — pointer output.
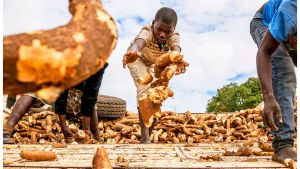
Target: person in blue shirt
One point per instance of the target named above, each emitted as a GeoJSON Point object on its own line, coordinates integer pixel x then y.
{"type": "Point", "coordinates": [274, 30]}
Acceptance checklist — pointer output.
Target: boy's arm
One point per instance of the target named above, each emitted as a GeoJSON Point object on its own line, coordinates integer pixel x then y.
{"type": "Point", "coordinates": [138, 45]}
{"type": "Point", "coordinates": [134, 52]}
{"type": "Point", "coordinates": [176, 48]}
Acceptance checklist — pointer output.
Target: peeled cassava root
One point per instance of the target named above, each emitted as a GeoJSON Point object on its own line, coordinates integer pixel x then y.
{"type": "Point", "coordinates": [171, 127]}
{"type": "Point", "coordinates": [132, 56]}
{"type": "Point", "coordinates": [145, 80]}
{"type": "Point", "coordinates": [53, 60]}
{"type": "Point", "coordinates": [246, 151]}
{"type": "Point", "coordinates": [265, 146]}
{"type": "Point", "coordinates": [159, 94]}
{"type": "Point", "coordinates": [147, 109]}
{"type": "Point", "coordinates": [37, 155]}
{"type": "Point", "coordinates": [44, 128]}
{"type": "Point", "coordinates": [165, 60]}
{"type": "Point", "coordinates": [290, 163]}
{"type": "Point", "coordinates": [101, 160]}
{"type": "Point", "coordinates": [209, 158]}
{"type": "Point", "coordinates": [164, 69]}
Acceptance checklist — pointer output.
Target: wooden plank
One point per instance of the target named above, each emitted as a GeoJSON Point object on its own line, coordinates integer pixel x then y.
{"type": "Point", "coordinates": [156, 156]}
{"type": "Point", "coordinates": [154, 146]}
{"type": "Point", "coordinates": [151, 164]}
{"type": "Point", "coordinates": [135, 149]}
{"type": "Point", "coordinates": [159, 158]}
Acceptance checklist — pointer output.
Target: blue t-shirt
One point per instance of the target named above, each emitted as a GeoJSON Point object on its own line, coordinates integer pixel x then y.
{"type": "Point", "coordinates": [280, 16]}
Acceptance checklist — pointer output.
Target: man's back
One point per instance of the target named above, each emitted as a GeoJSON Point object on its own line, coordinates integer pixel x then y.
{"type": "Point", "coordinates": [280, 16]}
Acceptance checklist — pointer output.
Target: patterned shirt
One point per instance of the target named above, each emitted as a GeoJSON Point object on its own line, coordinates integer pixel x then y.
{"type": "Point", "coordinates": [152, 50]}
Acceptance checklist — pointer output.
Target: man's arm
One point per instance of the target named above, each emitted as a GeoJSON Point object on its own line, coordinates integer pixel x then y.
{"type": "Point", "coordinates": [263, 62]}
{"type": "Point", "coordinates": [134, 52]}
{"type": "Point", "coordinates": [264, 71]}
{"type": "Point", "coordinates": [261, 8]}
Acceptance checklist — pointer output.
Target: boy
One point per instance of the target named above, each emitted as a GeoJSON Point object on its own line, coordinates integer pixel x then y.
{"type": "Point", "coordinates": [152, 41]}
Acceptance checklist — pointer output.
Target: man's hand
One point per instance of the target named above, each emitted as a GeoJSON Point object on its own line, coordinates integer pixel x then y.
{"type": "Point", "coordinates": [181, 67]}
{"type": "Point", "coordinates": [271, 108]}
{"type": "Point", "coordinates": [130, 57]}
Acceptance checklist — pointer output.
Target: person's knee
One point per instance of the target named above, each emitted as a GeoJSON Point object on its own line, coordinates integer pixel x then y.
{"type": "Point", "coordinates": [90, 96]}
{"type": "Point", "coordinates": [60, 107]}
{"type": "Point", "coordinates": [87, 105]}
{"type": "Point", "coordinates": [87, 111]}
{"type": "Point", "coordinates": [25, 100]}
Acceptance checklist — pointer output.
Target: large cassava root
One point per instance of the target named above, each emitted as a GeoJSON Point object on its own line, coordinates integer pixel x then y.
{"type": "Point", "coordinates": [53, 60]}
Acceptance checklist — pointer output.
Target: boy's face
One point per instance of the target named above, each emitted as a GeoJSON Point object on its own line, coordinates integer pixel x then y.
{"type": "Point", "coordinates": [162, 31]}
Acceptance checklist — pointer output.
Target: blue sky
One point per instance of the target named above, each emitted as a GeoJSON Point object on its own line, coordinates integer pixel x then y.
{"type": "Point", "coordinates": [215, 40]}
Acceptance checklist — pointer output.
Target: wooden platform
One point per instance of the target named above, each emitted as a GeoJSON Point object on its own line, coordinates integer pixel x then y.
{"type": "Point", "coordinates": [156, 156]}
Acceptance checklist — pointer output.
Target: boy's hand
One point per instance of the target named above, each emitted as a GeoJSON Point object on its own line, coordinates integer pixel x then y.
{"type": "Point", "coordinates": [130, 57]}
{"type": "Point", "coordinates": [181, 67]}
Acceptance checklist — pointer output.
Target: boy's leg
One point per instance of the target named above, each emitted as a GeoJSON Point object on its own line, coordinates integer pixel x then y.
{"type": "Point", "coordinates": [146, 109]}
{"type": "Point", "coordinates": [145, 135]}
{"type": "Point", "coordinates": [60, 109]}
{"type": "Point", "coordinates": [22, 106]}
{"type": "Point", "coordinates": [88, 101]}
{"type": "Point", "coordinates": [86, 125]}
{"type": "Point", "coordinates": [140, 69]}
{"type": "Point", "coordinates": [94, 126]}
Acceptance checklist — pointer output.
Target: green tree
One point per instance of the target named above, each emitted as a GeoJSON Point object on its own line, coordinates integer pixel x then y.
{"type": "Point", "coordinates": [234, 97]}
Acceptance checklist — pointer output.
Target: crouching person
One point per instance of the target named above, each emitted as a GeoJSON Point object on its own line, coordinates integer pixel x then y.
{"type": "Point", "coordinates": [20, 108]}
{"type": "Point", "coordinates": [90, 89]}
{"type": "Point", "coordinates": [274, 30]}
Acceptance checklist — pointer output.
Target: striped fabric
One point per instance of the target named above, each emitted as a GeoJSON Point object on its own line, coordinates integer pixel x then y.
{"type": "Point", "coordinates": [152, 51]}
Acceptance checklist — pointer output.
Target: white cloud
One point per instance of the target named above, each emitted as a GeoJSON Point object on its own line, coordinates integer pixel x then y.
{"type": "Point", "coordinates": [214, 36]}
{"type": "Point", "coordinates": [20, 16]}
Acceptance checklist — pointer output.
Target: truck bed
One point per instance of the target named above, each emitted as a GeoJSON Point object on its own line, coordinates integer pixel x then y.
{"type": "Point", "coordinates": [154, 156]}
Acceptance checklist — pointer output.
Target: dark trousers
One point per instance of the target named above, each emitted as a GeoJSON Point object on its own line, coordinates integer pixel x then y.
{"type": "Point", "coordinates": [90, 89]}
